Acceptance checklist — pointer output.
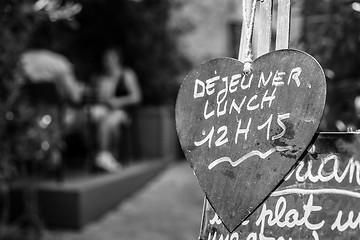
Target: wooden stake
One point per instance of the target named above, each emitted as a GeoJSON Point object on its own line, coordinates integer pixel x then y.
{"type": "Point", "coordinates": [244, 28]}
{"type": "Point", "coordinates": [264, 33]}
{"type": "Point", "coordinates": [283, 24]}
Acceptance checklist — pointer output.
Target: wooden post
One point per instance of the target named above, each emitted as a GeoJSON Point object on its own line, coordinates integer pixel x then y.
{"type": "Point", "coordinates": [283, 25]}
{"type": "Point", "coordinates": [264, 31]}
{"type": "Point", "coordinates": [242, 45]}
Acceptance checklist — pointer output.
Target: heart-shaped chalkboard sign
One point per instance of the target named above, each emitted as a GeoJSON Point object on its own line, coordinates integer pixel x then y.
{"type": "Point", "coordinates": [243, 133]}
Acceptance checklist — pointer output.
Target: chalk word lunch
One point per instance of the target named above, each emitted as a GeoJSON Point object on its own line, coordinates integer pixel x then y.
{"type": "Point", "coordinates": [227, 104]}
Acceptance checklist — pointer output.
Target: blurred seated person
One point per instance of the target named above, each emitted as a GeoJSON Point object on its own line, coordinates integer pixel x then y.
{"type": "Point", "coordinates": [116, 89]}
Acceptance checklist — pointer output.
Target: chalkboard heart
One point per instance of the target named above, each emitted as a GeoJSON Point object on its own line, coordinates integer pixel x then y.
{"type": "Point", "coordinates": [243, 133]}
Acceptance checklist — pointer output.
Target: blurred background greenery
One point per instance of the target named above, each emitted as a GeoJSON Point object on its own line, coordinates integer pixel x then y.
{"type": "Point", "coordinates": [331, 34]}
{"type": "Point", "coordinates": [82, 29]}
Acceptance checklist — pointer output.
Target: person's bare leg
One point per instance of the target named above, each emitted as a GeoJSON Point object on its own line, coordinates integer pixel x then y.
{"type": "Point", "coordinates": [104, 134]}
{"type": "Point", "coordinates": [108, 126]}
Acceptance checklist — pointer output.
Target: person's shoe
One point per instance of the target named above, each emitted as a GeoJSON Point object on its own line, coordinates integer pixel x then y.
{"type": "Point", "coordinates": [106, 161]}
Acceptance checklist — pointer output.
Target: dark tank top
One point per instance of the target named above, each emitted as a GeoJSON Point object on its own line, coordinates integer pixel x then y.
{"type": "Point", "coordinates": [121, 89]}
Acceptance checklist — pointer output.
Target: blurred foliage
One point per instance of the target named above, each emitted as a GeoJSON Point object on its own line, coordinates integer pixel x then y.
{"type": "Point", "coordinates": [81, 30]}
{"type": "Point", "coordinates": [17, 22]}
{"type": "Point", "coordinates": [332, 35]}
{"type": "Point", "coordinates": [28, 132]}
{"type": "Point", "coordinates": [140, 28]}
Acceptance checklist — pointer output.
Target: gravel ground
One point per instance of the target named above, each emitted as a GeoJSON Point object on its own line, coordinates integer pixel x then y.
{"type": "Point", "coordinates": [167, 208]}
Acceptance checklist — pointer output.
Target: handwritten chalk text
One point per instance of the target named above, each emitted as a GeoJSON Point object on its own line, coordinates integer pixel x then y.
{"type": "Point", "coordinates": [242, 125]}
{"type": "Point", "coordinates": [310, 216]}
{"type": "Point", "coordinates": [220, 136]}
{"type": "Point", "coordinates": [233, 83]}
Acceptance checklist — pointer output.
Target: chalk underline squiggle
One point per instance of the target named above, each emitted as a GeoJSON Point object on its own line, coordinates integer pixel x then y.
{"type": "Point", "coordinates": [249, 155]}
{"type": "Point", "coordinates": [315, 191]}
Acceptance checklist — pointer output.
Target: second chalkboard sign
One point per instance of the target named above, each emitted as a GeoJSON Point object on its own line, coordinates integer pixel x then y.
{"type": "Point", "coordinates": [243, 133]}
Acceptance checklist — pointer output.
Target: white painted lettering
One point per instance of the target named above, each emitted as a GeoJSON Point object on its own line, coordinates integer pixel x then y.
{"type": "Point", "coordinates": [210, 85]}
{"type": "Point", "coordinates": [280, 208]}
{"type": "Point", "coordinates": [350, 222]}
{"type": "Point", "coordinates": [199, 93]}
{"type": "Point", "coordinates": [277, 80]}
{"type": "Point", "coordinates": [267, 123]}
{"type": "Point", "coordinates": [223, 91]}
{"type": "Point", "coordinates": [253, 107]}
{"type": "Point", "coordinates": [263, 81]}
{"type": "Point", "coordinates": [206, 114]}
{"type": "Point", "coordinates": [237, 107]}
{"type": "Point", "coordinates": [244, 131]}
{"type": "Point", "coordinates": [248, 85]}
{"type": "Point", "coordinates": [222, 139]}
{"type": "Point", "coordinates": [223, 111]}
{"type": "Point", "coordinates": [282, 125]}
{"type": "Point", "coordinates": [208, 138]}
{"type": "Point", "coordinates": [234, 82]}
{"type": "Point", "coordinates": [267, 98]}
{"type": "Point", "coordinates": [309, 208]}
{"type": "Point", "coordinates": [294, 75]}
